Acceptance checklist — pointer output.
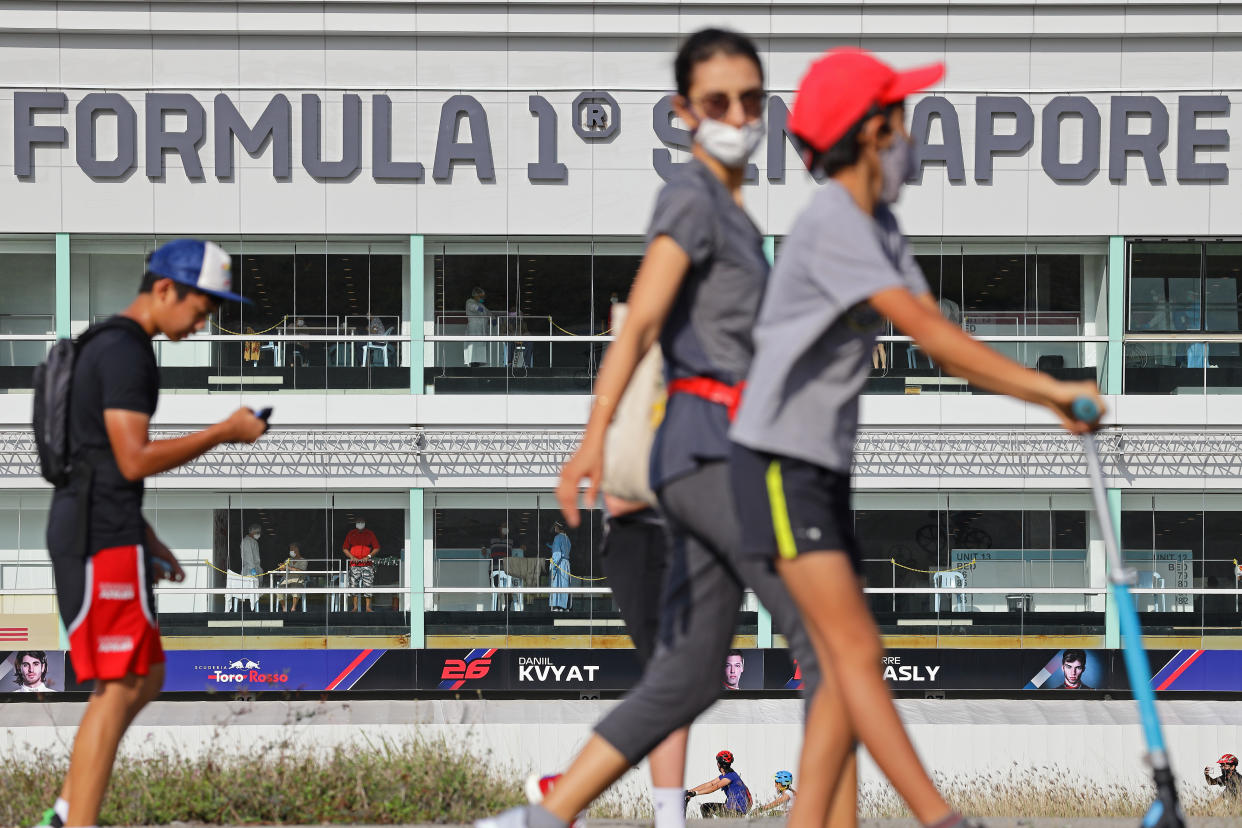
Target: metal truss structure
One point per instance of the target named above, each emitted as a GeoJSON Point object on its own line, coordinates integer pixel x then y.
{"type": "Point", "coordinates": [448, 457]}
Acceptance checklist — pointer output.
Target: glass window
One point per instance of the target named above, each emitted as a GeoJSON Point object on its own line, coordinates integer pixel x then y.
{"type": "Point", "coordinates": [28, 308]}
{"type": "Point", "coordinates": [1165, 286]}
{"type": "Point", "coordinates": [555, 293]}
{"type": "Point", "coordinates": [1222, 286]}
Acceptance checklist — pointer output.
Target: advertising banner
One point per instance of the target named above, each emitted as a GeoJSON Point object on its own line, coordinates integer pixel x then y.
{"type": "Point", "coordinates": [616, 671]}
{"type": "Point", "coordinates": [205, 671]}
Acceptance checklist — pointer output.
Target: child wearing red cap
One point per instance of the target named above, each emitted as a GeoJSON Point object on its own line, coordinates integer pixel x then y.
{"type": "Point", "coordinates": [845, 270]}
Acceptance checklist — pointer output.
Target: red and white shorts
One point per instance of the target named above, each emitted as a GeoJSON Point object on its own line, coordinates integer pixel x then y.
{"type": "Point", "coordinates": [107, 605]}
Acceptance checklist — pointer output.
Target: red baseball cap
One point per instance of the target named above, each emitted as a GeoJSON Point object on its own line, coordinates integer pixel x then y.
{"type": "Point", "coordinates": [843, 85]}
{"type": "Point", "coordinates": [1227, 759]}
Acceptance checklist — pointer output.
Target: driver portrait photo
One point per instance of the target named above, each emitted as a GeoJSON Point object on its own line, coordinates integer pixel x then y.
{"type": "Point", "coordinates": [1073, 665]}
{"type": "Point", "coordinates": [30, 673]}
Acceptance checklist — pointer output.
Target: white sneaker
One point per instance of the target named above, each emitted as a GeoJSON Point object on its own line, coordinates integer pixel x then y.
{"type": "Point", "coordinates": [512, 818]}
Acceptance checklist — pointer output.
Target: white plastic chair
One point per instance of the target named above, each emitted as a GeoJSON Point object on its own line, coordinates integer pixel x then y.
{"type": "Point", "coordinates": [380, 347]}
{"type": "Point", "coordinates": [947, 579]}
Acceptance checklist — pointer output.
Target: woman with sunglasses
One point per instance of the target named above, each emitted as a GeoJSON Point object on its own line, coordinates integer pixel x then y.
{"type": "Point", "coordinates": [697, 292]}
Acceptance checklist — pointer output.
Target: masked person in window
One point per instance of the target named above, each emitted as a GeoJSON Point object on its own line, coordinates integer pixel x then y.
{"type": "Point", "coordinates": [558, 568]}
{"type": "Point", "coordinates": [697, 292]}
{"type": "Point", "coordinates": [294, 568]}
{"type": "Point", "coordinates": [476, 324]}
{"type": "Point", "coordinates": [360, 547]}
{"type": "Point", "coordinates": [251, 565]}
{"type": "Point", "coordinates": [847, 269]}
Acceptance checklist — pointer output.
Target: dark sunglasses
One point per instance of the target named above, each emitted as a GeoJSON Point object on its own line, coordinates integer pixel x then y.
{"type": "Point", "coordinates": [715, 105]}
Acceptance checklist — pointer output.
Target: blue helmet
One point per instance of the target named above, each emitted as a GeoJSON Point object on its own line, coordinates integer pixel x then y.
{"type": "Point", "coordinates": [784, 778]}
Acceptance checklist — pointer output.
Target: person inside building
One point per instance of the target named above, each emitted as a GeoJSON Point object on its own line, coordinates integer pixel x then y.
{"type": "Point", "coordinates": [849, 271]}
{"type": "Point", "coordinates": [361, 547]}
{"type": "Point", "coordinates": [105, 575]}
{"type": "Point", "coordinates": [558, 568]}
{"type": "Point", "coordinates": [30, 671]}
{"type": "Point", "coordinates": [785, 795]}
{"type": "Point", "coordinates": [294, 568]}
{"type": "Point", "coordinates": [251, 565]}
{"type": "Point", "coordinates": [476, 324]}
{"type": "Point", "coordinates": [1229, 778]}
{"type": "Point", "coordinates": [737, 796]}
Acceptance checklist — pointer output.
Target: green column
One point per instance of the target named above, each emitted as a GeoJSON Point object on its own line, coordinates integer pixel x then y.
{"type": "Point", "coordinates": [414, 566]}
{"type": "Point", "coordinates": [769, 248]}
{"type": "Point", "coordinates": [1116, 313]}
{"type": "Point", "coordinates": [417, 383]}
{"type": "Point", "coordinates": [1112, 627]}
{"type": "Point", "coordinates": [63, 322]}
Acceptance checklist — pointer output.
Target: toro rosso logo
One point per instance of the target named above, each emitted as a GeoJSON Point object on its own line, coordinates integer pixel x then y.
{"type": "Point", "coordinates": [457, 671]}
{"type": "Point", "coordinates": [245, 671]}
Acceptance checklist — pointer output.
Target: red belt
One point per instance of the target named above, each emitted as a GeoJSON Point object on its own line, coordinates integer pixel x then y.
{"type": "Point", "coordinates": [714, 391]}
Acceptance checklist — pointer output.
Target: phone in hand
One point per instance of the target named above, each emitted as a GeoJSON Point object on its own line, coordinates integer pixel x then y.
{"type": "Point", "coordinates": [163, 567]}
{"type": "Point", "coordinates": [263, 414]}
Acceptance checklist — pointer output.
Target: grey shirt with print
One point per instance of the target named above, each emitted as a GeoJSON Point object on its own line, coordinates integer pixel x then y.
{"type": "Point", "coordinates": [816, 330]}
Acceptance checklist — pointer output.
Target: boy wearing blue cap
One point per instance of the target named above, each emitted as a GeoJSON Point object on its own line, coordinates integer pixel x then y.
{"type": "Point", "coordinates": [104, 555]}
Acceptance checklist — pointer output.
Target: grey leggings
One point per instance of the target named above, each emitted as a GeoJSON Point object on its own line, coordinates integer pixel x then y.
{"type": "Point", "coordinates": [702, 596]}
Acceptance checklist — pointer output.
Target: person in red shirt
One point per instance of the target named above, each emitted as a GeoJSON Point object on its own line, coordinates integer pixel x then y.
{"type": "Point", "coordinates": [360, 548]}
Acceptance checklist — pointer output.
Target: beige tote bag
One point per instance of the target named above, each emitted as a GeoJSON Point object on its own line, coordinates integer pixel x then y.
{"type": "Point", "coordinates": [627, 443]}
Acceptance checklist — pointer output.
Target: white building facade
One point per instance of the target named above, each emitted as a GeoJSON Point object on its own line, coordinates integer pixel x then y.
{"type": "Point", "coordinates": [369, 164]}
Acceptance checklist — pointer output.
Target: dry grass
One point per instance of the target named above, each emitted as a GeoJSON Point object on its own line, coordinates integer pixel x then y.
{"type": "Point", "coordinates": [389, 783]}
{"type": "Point", "coordinates": [1044, 792]}
{"type": "Point", "coordinates": [421, 782]}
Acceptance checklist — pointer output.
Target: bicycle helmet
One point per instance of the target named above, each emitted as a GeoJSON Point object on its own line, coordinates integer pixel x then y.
{"type": "Point", "coordinates": [1227, 759]}
{"type": "Point", "coordinates": [784, 778]}
{"type": "Point", "coordinates": [724, 758]}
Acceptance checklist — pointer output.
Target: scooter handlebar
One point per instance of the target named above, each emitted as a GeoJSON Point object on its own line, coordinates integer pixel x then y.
{"type": "Point", "coordinates": [1085, 409]}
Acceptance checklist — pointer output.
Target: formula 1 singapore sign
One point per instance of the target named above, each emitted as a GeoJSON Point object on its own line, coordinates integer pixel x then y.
{"type": "Point", "coordinates": [1138, 126]}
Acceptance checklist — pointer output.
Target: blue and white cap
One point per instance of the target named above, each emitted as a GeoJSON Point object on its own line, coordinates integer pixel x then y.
{"type": "Point", "coordinates": [201, 265]}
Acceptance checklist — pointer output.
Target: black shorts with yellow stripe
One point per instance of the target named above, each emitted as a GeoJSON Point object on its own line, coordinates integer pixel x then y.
{"type": "Point", "coordinates": [789, 507]}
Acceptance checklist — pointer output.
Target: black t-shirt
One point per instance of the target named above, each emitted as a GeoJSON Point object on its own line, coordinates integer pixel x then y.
{"type": "Point", "coordinates": [116, 369]}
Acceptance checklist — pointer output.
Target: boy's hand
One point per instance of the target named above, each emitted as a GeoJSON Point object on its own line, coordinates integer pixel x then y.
{"type": "Point", "coordinates": [243, 426]}
{"type": "Point", "coordinates": [1061, 400]}
{"type": "Point", "coordinates": [158, 550]}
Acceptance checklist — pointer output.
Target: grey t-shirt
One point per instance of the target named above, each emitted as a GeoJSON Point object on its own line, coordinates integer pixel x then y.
{"type": "Point", "coordinates": [708, 329]}
{"type": "Point", "coordinates": [816, 330]}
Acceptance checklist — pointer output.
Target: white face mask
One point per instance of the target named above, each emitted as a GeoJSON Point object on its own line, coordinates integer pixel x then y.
{"type": "Point", "coordinates": [897, 163]}
{"type": "Point", "coordinates": [729, 145]}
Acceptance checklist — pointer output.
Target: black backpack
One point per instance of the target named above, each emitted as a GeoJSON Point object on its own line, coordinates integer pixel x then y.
{"type": "Point", "coordinates": [53, 380]}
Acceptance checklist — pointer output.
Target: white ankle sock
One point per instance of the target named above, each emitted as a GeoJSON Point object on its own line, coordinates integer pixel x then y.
{"type": "Point", "coordinates": [670, 807]}
{"type": "Point", "coordinates": [61, 808]}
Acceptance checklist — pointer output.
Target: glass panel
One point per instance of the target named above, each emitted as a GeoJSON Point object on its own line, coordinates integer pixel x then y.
{"type": "Point", "coordinates": [1165, 367]}
{"type": "Point", "coordinates": [901, 367]}
{"type": "Point", "coordinates": [1223, 286]}
{"type": "Point", "coordinates": [517, 291]}
{"type": "Point", "coordinates": [1165, 287]}
{"type": "Point", "coordinates": [269, 364]}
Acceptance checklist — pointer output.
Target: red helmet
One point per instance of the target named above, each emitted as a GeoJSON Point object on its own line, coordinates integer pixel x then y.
{"type": "Point", "coordinates": [1227, 759]}
{"type": "Point", "coordinates": [724, 758]}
